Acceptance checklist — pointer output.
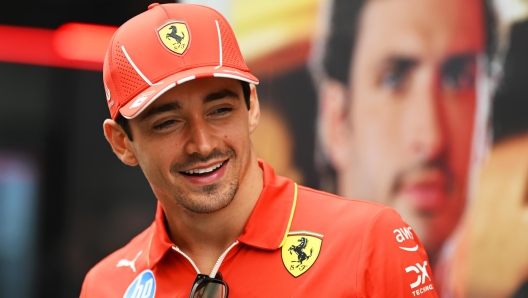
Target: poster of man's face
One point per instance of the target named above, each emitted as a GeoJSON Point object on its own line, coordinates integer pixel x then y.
{"type": "Point", "coordinates": [397, 109]}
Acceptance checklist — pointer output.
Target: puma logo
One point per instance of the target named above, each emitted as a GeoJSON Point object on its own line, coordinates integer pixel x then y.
{"type": "Point", "coordinates": [131, 264]}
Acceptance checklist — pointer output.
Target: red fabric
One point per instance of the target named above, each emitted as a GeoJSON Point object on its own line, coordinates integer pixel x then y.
{"type": "Point", "coordinates": [360, 254]}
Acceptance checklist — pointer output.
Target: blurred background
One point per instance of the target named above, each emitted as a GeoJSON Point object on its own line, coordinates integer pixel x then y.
{"type": "Point", "coordinates": [66, 201]}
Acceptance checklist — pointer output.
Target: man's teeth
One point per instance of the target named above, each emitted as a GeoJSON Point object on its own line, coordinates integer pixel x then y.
{"type": "Point", "coordinates": [206, 170]}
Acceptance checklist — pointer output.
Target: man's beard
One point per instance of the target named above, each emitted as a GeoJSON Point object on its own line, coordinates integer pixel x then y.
{"type": "Point", "coordinates": [211, 199]}
{"type": "Point", "coordinates": [419, 168]}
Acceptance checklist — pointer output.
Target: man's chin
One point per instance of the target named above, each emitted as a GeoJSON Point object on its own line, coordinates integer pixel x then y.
{"type": "Point", "coordinates": [423, 202]}
{"type": "Point", "coordinates": [204, 205]}
{"type": "Point", "coordinates": [426, 222]}
{"type": "Point", "coordinates": [209, 198]}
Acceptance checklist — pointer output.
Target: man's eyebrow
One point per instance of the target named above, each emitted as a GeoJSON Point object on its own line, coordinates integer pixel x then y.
{"type": "Point", "coordinates": [400, 63]}
{"type": "Point", "coordinates": [220, 94]}
{"type": "Point", "coordinates": [457, 61]}
{"type": "Point", "coordinates": [175, 106]}
{"type": "Point", "coordinates": [160, 109]}
{"type": "Point", "coordinates": [461, 57]}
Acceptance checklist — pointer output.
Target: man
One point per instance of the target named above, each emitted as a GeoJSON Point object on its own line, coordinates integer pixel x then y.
{"type": "Point", "coordinates": [397, 105]}
{"type": "Point", "coordinates": [183, 105]}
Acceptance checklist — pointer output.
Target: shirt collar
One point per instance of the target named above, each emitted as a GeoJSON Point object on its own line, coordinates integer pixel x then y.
{"type": "Point", "coordinates": [266, 228]}
{"type": "Point", "coordinates": [270, 221]}
{"type": "Point", "coordinates": [159, 241]}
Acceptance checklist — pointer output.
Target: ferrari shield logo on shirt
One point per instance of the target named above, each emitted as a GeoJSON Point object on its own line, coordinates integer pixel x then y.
{"type": "Point", "coordinates": [144, 286]}
{"type": "Point", "coordinates": [300, 251]}
{"type": "Point", "coordinates": [174, 35]}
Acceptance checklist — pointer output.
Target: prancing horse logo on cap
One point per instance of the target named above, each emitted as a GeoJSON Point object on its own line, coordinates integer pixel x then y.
{"type": "Point", "coordinates": [174, 35]}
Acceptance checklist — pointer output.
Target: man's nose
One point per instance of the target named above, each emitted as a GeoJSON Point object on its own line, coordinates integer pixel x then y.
{"type": "Point", "coordinates": [200, 140]}
{"type": "Point", "coordinates": [425, 122]}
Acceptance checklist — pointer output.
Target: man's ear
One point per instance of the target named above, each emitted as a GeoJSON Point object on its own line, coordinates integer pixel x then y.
{"type": "Point", "coordinates": [119, 141]}
{"type": "Point", "coordinates": [331, 126]}
{"type": "Point", "coordinates": [254, 109]}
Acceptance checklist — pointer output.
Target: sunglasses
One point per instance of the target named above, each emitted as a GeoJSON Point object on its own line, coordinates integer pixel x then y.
{"type": "Point", "coordinates": [208, 287]}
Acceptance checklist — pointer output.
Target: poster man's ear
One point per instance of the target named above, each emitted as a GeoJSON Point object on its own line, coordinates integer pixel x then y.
{"type": "Point", "coordinates": [331, 126]}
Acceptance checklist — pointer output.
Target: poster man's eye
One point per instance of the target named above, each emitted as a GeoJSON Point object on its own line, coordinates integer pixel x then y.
{"type": "Point", "coordinates": [459, 74]}
{"type": "Point", "coordinates": [397, 73]}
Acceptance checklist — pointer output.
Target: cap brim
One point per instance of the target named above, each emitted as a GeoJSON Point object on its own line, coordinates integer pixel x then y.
{"type": "Point", "coordinates": [139, 103]}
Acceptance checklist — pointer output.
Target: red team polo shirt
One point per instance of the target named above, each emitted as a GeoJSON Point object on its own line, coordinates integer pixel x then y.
{"type": "Point", "coordinates": [298, 242]}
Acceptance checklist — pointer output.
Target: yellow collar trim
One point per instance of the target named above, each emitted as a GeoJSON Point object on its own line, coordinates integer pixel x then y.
{"type": "Point", "coordinates": [148, 254]}
{"type": "Point", "coordinates": [291, 215]}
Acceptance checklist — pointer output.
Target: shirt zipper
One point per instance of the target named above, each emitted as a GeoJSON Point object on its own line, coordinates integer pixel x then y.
{"type": "Point", "coordinates": [218, 262]}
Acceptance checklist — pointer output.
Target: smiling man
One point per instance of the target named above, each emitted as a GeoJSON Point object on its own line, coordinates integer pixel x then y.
{"type": "Point", "coordinates": [183, 105]}
{"type": "Point", "coordinates": [397, 83]}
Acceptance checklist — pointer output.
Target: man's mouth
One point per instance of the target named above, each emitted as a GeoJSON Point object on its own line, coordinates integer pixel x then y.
{"type": "Point", "coordinates": [426, 189]}
{"type": "Point", "coordinates": [201, 170]}
{"type": "Point", "coordinates": [207, 174]}
{"type": "Point", "coordinates": [204, 171]}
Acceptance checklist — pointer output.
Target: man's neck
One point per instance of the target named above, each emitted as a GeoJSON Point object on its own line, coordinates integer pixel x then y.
{"type": "Point", "coordinates": [204, 237]}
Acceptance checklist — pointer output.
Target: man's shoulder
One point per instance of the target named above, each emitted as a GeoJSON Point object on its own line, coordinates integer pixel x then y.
{"type": "Point", "coordinates": [330, 202]}
{"type": "Point", "coordinates": [128, 256]}
{"type": "Point", "coordinates": [319, 208]}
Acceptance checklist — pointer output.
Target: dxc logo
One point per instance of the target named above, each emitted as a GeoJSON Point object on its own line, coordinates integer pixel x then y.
{"type": "Point", "coordinates": [144, 286]}
{"type": "Point", "coordinates": [422, 274]}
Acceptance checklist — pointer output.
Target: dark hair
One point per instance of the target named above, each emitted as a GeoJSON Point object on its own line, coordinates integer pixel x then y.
{"type": "Point", "coordinates": [343, 25]}
{"type": "Point", "coordinates": [123, 122]}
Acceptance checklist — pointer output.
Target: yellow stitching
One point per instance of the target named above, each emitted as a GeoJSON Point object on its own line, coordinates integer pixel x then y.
{"type": "Point", "coordinates": [305, 232]}
{"type": "Point", "coordinates": [291, 216]}
{"type": "Point", "coordinates": [148, 254]}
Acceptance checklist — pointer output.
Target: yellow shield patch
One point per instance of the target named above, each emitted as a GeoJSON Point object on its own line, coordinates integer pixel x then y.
{"type": "Point", "coordinates": [174, 35]}
{"type": "Point", "coordinates": [300, 251]}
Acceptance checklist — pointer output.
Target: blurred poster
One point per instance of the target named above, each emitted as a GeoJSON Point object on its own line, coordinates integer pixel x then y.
{"type": "Point", "coordinates": [417, 104]}
{"type": "Point", "coordinates": [18, 208]}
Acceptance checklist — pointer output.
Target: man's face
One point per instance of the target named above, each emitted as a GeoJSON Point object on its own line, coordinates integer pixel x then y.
{"type": "Point", "coordinates": [410, 105]}
{"type": "Point", "coordinates": [193, 144]}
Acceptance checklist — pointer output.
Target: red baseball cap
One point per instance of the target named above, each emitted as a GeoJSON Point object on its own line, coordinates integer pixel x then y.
{"type": "Point", "coordinates": [165, 46]}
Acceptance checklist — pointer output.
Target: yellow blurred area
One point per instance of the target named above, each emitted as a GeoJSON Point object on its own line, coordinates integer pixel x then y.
{"type": "Point", "coordinates": [273, 142]}
{"type": "Point", "coordinates": [265, 27]}
{"type": "Point", "coordinates": [274, 36]}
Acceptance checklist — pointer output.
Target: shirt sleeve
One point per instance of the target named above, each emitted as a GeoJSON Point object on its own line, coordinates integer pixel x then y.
{"type": "Point", "coordinates": [393, 261]}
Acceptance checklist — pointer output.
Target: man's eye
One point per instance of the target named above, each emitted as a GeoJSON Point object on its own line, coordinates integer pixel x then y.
{"type": "Point", "coordinates": [164, 124]}
{"type": "Point", "coordinates": [459, 75]}
{"type": "Point", "coordinates": [221, 111]}
{"type": "Point", "coordinates": [397, 74]}
{"type": "Point", "coordinates": [393, 79]}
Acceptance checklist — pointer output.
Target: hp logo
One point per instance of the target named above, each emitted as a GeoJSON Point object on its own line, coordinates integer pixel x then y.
{"type": "Point", "coordinates": [144, 286]}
